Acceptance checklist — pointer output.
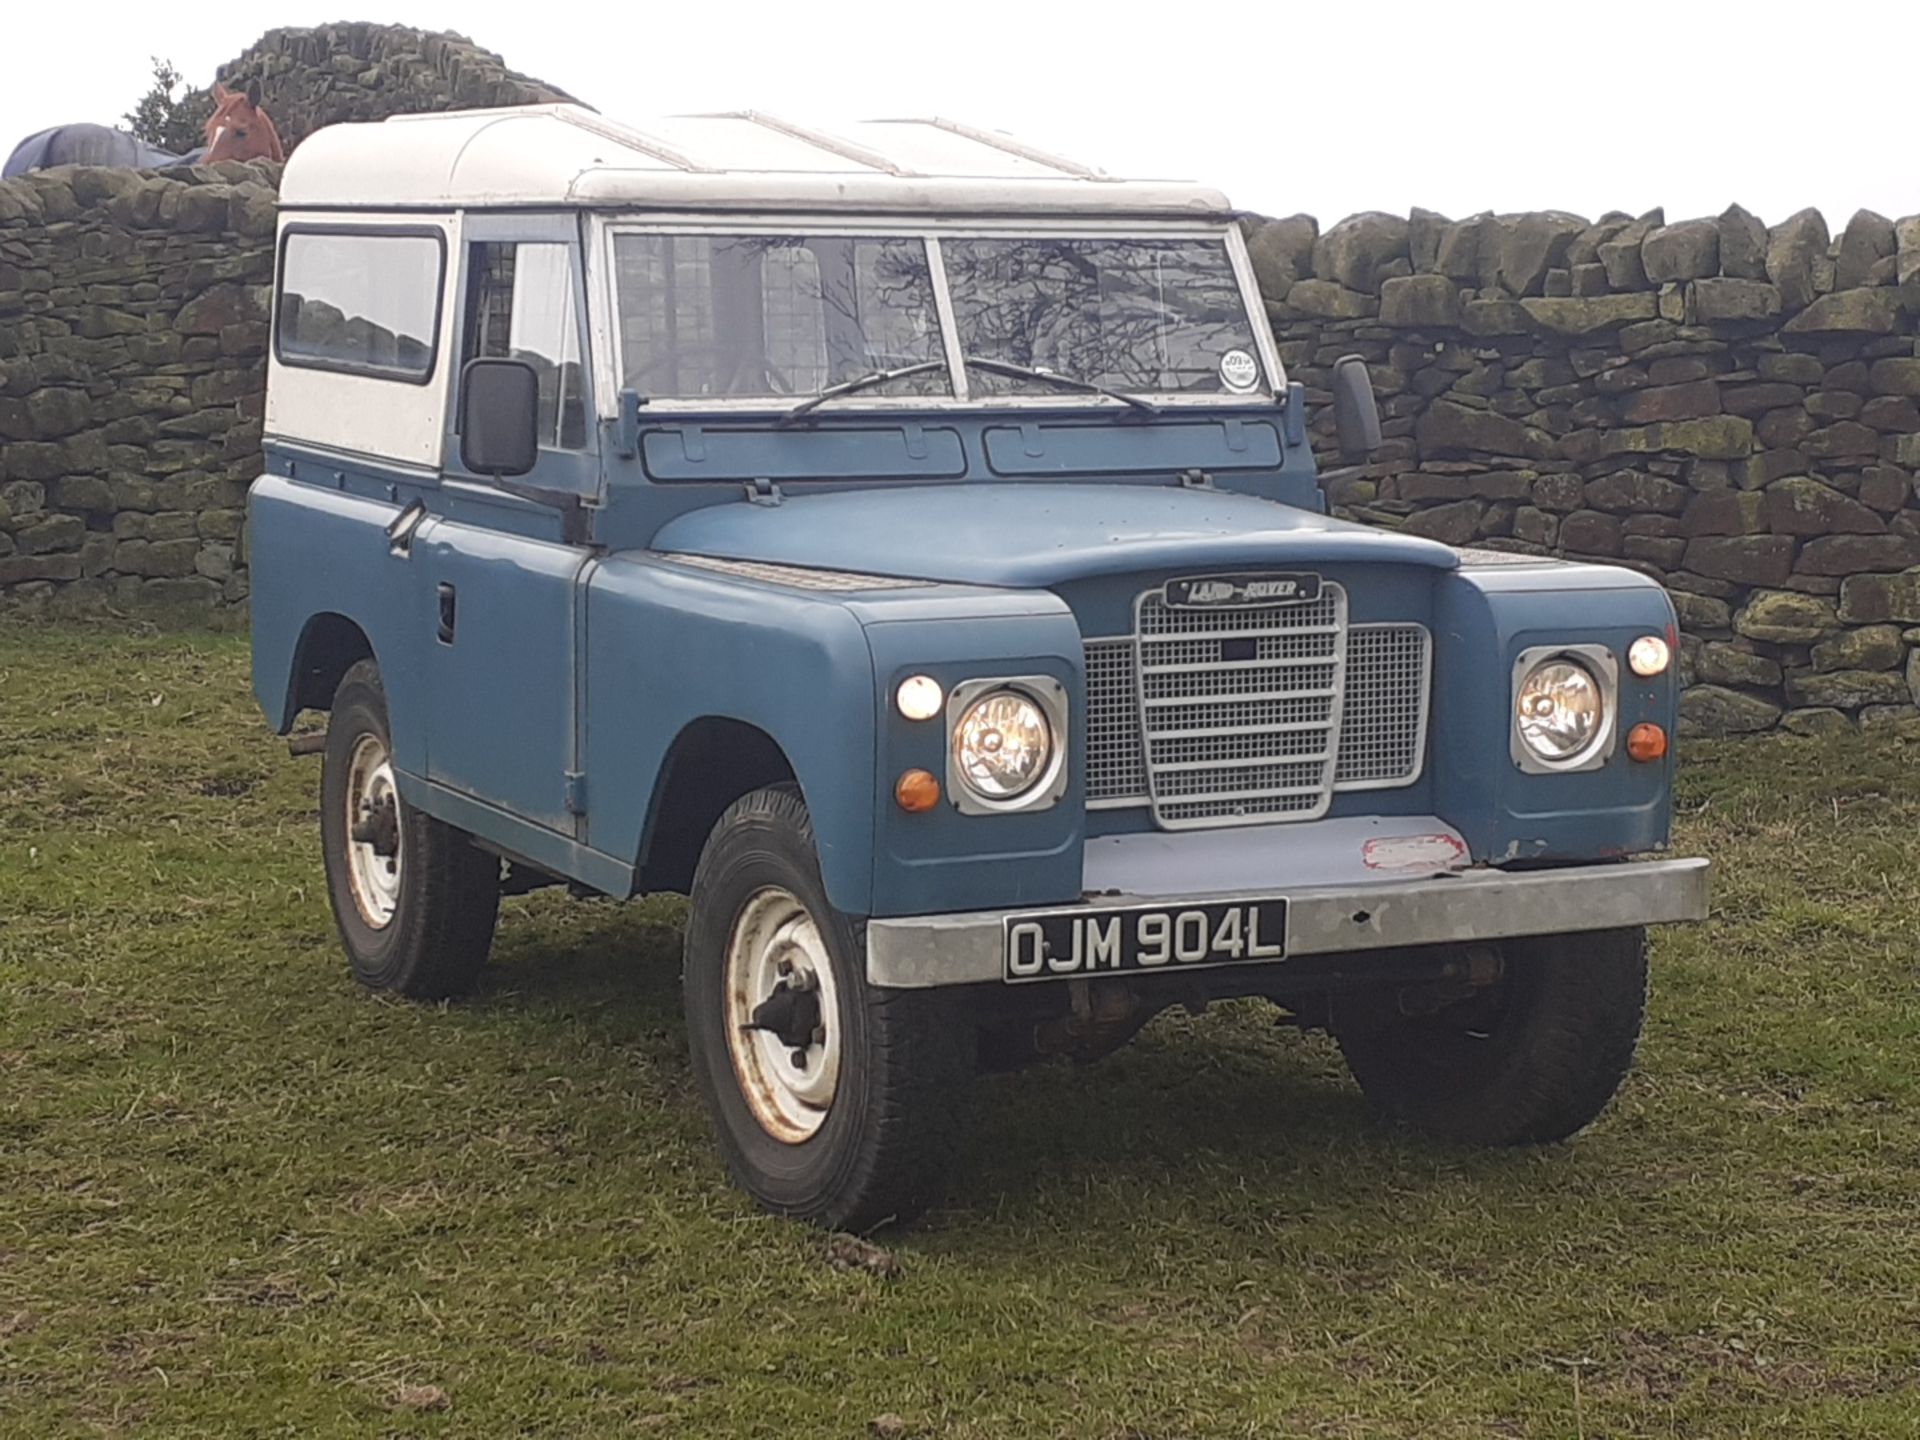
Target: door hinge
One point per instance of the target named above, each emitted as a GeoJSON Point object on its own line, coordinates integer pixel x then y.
{"type": "Point", "coordinates": [576, 792]}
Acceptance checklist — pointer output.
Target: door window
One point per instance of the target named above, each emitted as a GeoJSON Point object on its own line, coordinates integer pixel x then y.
{"type": "Point", "coordinates": [522, 305]}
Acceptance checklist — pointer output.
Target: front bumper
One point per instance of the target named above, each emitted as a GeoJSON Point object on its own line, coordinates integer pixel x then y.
{"type": "Point", "coordinates": [921, 952]}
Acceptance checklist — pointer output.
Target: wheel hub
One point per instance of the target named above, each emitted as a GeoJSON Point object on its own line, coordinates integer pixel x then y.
{"type": "Point", "coordinates": [782, 1015]}
{"type": "Point", "coordinates": [373, 832]}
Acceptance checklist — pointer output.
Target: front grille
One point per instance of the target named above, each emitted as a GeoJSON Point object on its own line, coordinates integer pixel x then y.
{"type": "Point", "coordinates": [1222, 717]}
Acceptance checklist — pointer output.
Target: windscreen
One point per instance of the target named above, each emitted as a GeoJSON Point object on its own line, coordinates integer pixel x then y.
{"type": "Point", "coordinates": [767, 316]}
{"type": "Point", "coordinates": [1146, 316]}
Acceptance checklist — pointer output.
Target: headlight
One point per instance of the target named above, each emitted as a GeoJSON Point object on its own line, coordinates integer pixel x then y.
{"type": "Point", "coordinates": [1560, 711]}
{"type": "Point", "coordinates": [1002, 745]}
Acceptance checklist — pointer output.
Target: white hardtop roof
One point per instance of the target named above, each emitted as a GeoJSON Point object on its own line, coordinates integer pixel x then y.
{"type": "Point", "coordinates": [566, 155]}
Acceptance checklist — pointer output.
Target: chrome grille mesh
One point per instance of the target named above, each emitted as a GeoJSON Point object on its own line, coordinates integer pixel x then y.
{"type": "Point", "coordinates": [1116, 765]}
{"type": "Point", "coordinates": [1240, 708]}
{"type": "Point", "coordinates": [1385, 711]}
{"type": "Point", "coordinates": [1231, 771]}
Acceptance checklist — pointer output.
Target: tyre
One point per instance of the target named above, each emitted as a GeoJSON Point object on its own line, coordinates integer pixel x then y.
{"type": "Point", "coordinates": [414, 899]}
{"type": "Point", "coordinates": [1531, 1058]}
{"type": "Point", "coordinates": [832, 1101]}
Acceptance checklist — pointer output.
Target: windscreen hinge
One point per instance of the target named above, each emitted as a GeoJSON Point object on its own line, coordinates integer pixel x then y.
{"type": "Point", "coordinates": [762, 491]}
{"type": "Point", "coordinates": [1195, 480]}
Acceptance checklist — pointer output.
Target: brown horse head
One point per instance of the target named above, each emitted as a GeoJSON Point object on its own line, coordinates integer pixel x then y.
{"type": "Point", "coordinates": [239, 129]}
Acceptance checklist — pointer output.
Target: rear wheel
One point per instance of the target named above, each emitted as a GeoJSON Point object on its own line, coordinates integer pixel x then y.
{"type": "Point", "coordinates": [832, 1101]}
{"type": "Point", "coordinates": [1533, 1057]}
{"type": "Point", "coordinates": [414, 900]}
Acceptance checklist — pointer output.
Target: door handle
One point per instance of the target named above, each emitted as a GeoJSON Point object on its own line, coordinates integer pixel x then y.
{"type": "Point", "coordinates": [449, 612]}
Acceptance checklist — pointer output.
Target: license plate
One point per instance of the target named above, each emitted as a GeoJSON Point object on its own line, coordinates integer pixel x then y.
{"type": "Point", "coordinates": [1063, 944]}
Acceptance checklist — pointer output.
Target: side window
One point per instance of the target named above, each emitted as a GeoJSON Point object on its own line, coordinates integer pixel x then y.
{"type": "Point", "coordinates": [521, 305]}
{"type": "Point", "coordinates": [363, 304]}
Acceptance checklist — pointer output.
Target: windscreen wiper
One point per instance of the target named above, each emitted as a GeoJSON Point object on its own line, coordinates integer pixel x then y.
{"type": "Point", "coordinates": [848, 387]}
{"type": "Point", "coordinates": [1054, 377]}
{"type": "Point", "coordinates": [977, 362]}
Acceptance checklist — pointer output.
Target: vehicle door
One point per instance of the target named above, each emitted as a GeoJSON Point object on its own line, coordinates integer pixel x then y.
{"type": "Point", "coordinates": [501, 572]}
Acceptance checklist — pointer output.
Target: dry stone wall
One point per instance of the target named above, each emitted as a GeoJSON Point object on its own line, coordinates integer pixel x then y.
{"type": "Point", "coordinates": [133, 329]}
{"type": "Point", "coordinates": [330, 74]}
{"type": "Point", "coordinates": [1730, 408]}
{"type": "Point", "coordinates": [1734, 410]}
{"type": "Point", "coordinates": [133, 333]}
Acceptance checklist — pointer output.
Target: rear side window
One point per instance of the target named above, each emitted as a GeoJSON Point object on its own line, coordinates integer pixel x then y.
{"type": "Point", "coordinates": [363, 304]}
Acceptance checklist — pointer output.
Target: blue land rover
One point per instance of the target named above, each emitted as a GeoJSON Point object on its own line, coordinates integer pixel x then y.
{"type": "Point", "coordinates": [906, 542]}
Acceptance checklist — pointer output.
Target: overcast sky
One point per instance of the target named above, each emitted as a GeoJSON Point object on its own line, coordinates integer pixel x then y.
{"type": "Point", "coordinates": [1326, 108]}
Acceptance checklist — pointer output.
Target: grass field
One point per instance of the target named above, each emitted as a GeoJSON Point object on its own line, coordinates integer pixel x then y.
{"type": "Point", "coordinates": [240, 1197]}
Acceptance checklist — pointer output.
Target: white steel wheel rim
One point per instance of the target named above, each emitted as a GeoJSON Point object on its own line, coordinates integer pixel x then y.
{"type": "Point", "coordinates": [774, 943]}
{"type": "Point", "coordinates": [373, 862]}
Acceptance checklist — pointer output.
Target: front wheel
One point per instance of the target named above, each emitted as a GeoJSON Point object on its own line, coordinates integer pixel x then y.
{"type": "Point", "coordinates": [1533, 1057]}
{"type": "Point", "coordinates": [833, 1102]}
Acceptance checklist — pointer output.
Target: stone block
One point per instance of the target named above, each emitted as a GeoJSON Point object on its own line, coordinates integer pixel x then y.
{"type": "Point", "coordinates": [1848, 555]}
{"type": "Point", "coordinates": [83, 492]}
{"type": "Point", "coordinates": [1867, 239]}
{"type": "Point", "coordinates": [1849, 312]}
{"type": "Point", "coordinates": [1456, 523]}
{"type": "Point", "coordinates": [1531, 245]}
{"type": "Point", "coordinates": [1743, 559]}
{"type": "Point", "coordinates": [1636, 490]}
{"type": "Point", "coordinates": [1701, 614]}
{"type": "Point", "coordinates": [1719, 663]}
{"type": "Point", "coordinates": [1354, 252]}
{"type": "Point", "coordinates": [1793, 248]}
{"type": "Point", "coordinates": [1847, 438]}
{"type": "Point", "coordinates": [1588, 532]}
{"type": "Point", "coordinates": [1816, 722]}
{"type": "Point", "coordinates": [1714, 710]}
{"type": "Point", "coordinates": [1329, 301]}
{"type": "Point", "coordinates": [1847, 689]}
{"type": "Point", "coordinates": [1871, 647]}
{"type": "Point", "coordinates": [1420, 301]}
{"type": "Point", "coordinates": [1490, 319]}
{"type": "Point", "coordinates": [1786, 617]}
{"type": "Point", "coordinates": [1726, 512]}
{"type": "Point", "coordinates": [1687, 250]}
{"type": "Point", "coordinates": [1899, 720]}
{"type": "Point", "coordinates": [1790, 368]}
{"type": "Point", "coordinates": [1282, 253]}
{"type": "Point", "coordinates": [1891, 414]}
{"type": "Point", "coordinates": [1896, 375]}
{"type": "Point", "coordinates": [1743, 245]}
{"type": "Point", "coordinates": [1728, 301]}
{"type": "Point", "coordinates": [1868, 599]}
{"type": "Point", "coordinates": [1801, 505]}
{"type": "Point", "coordinates": [1448, 428]}
{"type": "Point", "coordinates": [1588, 315]}
{"type": "Point", "coordinates": [1833, 404]}
{"type": "Point", "coordinates": [21, 569]}
{"type": "Point", "coordinates": [51, 534]}
{"type": "Point", "coordinates": [1672, 402]}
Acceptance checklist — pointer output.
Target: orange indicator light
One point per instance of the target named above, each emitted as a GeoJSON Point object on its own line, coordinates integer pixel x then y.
{"type": "Point", "coordinates": [1646, 742]}
{"type": "Point", "coordinates": [915, 791]}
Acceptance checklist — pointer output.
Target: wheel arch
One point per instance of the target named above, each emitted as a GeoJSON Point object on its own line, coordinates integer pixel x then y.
{"type": "Point", "coordinates": [712, 762]}
{"type": "Point", "coordinates": [330, 644]}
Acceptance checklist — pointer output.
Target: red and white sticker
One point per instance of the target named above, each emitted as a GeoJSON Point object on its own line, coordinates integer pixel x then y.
{"type": "Point", "coordinates": [1413, 852]}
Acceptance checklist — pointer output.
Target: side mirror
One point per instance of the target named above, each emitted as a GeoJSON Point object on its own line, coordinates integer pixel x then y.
{"type": "Point", "coordinates": [1356, 415]}
{"type": "Point", "coordinates": [499, 417]}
